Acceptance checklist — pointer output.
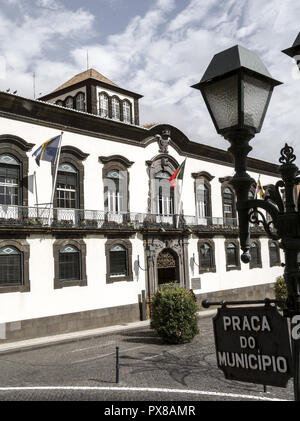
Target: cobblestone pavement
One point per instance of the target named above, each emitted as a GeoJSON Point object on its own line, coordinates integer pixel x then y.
{"type": "Point", "coordinates": [149, 370]}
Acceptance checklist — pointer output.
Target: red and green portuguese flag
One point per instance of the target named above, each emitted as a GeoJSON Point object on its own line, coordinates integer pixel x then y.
{"type": "Point", "coordinates": [177, 175]}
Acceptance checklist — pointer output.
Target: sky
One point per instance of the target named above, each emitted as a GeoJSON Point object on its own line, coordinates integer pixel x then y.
{"type": "Point", "coordinates": [157, 48]}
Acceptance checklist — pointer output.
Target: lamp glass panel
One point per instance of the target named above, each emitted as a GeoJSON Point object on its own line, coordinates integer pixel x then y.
{"type": "Point", "coordinates": [222, 97]}
{"type": "Point", "coordinates": [256, 94]}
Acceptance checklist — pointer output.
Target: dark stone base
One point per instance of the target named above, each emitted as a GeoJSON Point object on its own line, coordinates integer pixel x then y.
{"type": "Point", "coordinates": [255, 292]}
{"type": "Point", "coordinates": [72, 322]}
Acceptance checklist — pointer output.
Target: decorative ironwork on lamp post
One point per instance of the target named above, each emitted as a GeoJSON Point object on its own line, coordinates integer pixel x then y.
{"type": "Point", "coordinates": [237, 88]}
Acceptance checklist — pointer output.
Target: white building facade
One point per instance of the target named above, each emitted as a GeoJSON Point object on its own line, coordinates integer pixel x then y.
{"type": "Point", "coordinates": [117, 230]}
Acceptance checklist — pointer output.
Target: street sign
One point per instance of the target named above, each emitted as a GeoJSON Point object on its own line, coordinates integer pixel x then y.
{"type": "Point", "coordinates": [253, 345]}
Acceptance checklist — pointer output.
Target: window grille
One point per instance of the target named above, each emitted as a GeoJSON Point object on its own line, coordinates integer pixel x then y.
{"type": "Point", "coordinates": [69, 263]}
{"type": "Point", "coordinates": [232, 258]}
{"type": "Point", "coordinates": [206, 256]}
{"type": "Point", "coordinates": [118, 261]}
{"type": "Point", "coordinates": [10, 266]}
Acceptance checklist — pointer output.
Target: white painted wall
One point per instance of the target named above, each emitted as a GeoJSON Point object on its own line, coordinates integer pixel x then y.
{"type": "Point", "coordinates": [43, 300]}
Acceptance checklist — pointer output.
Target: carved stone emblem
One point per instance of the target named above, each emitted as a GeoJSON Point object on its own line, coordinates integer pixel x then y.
{"type": "Point", "coordinates": [163, 140]}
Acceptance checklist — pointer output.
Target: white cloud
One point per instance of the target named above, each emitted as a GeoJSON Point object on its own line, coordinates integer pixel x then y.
{"type": "Point", "coordinates": [160, 54]}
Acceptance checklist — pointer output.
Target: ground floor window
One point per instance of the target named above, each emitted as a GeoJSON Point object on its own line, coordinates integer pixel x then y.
{"type": "Point", "coordinates": [118, 260]}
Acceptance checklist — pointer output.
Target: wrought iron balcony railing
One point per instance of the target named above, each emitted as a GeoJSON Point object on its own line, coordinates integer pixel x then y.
{"type": "Point", "coordinates": [78, 218]}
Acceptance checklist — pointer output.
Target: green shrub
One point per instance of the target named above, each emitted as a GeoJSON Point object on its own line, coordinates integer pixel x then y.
{"type": "Point", "coordinates": [174, 314]}
{"type": "Point", "coordinates": [280, 290]}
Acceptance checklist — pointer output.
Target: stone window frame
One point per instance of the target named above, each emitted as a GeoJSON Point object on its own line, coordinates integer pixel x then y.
{"type": "Point", "coordinates": [161, 162]}
{"type": "Point", "coordinates": [81, 246]}
{"type": "Point", "coordinates": [278, 251]}
{"type": "Point", "coordinates": [127, 244]}
{"type": "Point", "coordinates": [237, 245]}
{"type": "Point", "coordinates": [259, 264]}
{"type": "Point", "coordinates": [207, 178]}
{"type": "Point", "coordinates": [211, 243]}
{"type": "Point", "coordinates": [17, 147]}
{"type": "Point", "coordinates": [120, 163]}
{"type": "Point", "coordinates": [75, 157]}
{"type": "Point", "coordinates": [23, 247]}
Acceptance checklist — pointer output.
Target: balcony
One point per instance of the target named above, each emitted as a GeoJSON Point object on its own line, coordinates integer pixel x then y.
{"type": "Point", "coordinates": [39, 218]}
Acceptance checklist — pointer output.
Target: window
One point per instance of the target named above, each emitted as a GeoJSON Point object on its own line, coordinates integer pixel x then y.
{"type": "Point", "coordinates": [115, 104]}
{"type": "Point", "coordinates": [115, 191]}
{"type": "Point", "coordinates": [80, 102]}
{"type": "Point", "coordinates": [202, 199]}
{"type": "Point", "coordinates": [9, 180]}
{"type": "Point", "coordinates": [232, 255]}
{"type": "Point", "coordinates": [14, 266]}
{"type": "Point", "coordinates": [11, 272]}
{"type": "Point", "coordinates": [206, 251]}
{"type": "Point", "coordinates": [69, 102]}
{"type": "Point", "coordinates": [69, 263]}
{"type": "Point", "coordinates": [255, 255]}
{"type": "Point", "coordinates": [228, 204]}
{"type": "Point", "coordinates": [67, 187]}
{"type": "Point", "coordinates": [118, 261]}
{"type": "Point", "coordinates": [164, 194]}
{"type": "Point", "coordinates": [126, 112]}
{"type": "Point", "coordinates": [274, 253]}
{"type": "Point", "coordinates": [103, 105]}
{"type": "Point", "coordinates": [59, 102]}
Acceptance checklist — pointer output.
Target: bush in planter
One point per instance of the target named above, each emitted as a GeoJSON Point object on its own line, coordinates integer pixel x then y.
{"type": "Point", "coordinates": [174, 314]}
{"type": "Point", "coordinates": [280, 290]}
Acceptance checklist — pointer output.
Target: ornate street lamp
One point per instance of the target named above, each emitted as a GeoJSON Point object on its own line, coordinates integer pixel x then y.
{"type": "Point", "coordinates": [294, 50]}
{"type": "Point", "coordinates": [237, 88]}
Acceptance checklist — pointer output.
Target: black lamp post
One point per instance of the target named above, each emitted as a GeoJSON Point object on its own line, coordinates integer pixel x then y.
{"type": "Point", "coordinates": [237, 88]}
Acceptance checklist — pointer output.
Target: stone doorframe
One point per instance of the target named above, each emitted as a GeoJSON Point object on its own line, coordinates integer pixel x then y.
{"type": "Point", "coordinates": [153, 246]}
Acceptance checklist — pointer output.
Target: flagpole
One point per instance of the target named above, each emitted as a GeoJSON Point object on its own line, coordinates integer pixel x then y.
{"type": "Point", "coordinates": [180, 203]}
{"type": "Point", "coordinates": [55, 176]}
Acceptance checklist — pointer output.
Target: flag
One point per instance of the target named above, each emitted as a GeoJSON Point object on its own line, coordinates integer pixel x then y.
{"type": "Point", "coordinates": [48, 150]}
{"type": "Point", "coordinates": [177, 175]}
{"type": "Point", "coordinates": [259, 189]}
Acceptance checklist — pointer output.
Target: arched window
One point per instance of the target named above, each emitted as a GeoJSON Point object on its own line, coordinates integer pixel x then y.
{"type": "Point", "coordinates": [115, 107]}
{"type": "Point", "coordinates": [164, 194]}
{"type": "Point", "coordinates": [69, 102]}
{"type": "Point", "coordinates": [274, 253]}
{"type": "Point", "coordinates": [80, 102]}
{"type": "Point", "coordinates": [115, 189]}
{"type": "Point", "coordinates": [255, 255]}
{"type": "Point", "coordinates": [69, 263]}
{"type": "Point", "coordinates": [11, 266]}
{"type": "Point", "coordinates": [228, 205]}
{"type": "Point", "coordinates": [59, 102]}
{"type": "Point", "coordinates": [10, 191]}
{"type": "Point", "coordinates": [67, 186]}
{"type": "Point", "coordinates": [118, 261]}
{"type": "Point", "coordinates": [202, 199]}
{"type": "Point", "coordinates": [126, 112]}
{"type": "Point", "coordinates": [206, 260]}
{"type": "Point", "coordinates": [103, 105]}
{"type": "Point", "coordinates": [232, 257]}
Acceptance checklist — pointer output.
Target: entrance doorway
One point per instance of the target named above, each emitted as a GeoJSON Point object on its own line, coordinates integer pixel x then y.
{"type": "Point", "coordinates": [167, 267]}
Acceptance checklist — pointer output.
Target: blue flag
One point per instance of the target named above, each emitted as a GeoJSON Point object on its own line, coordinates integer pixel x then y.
{"type": "Point", "coordinates": [48, 150]}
